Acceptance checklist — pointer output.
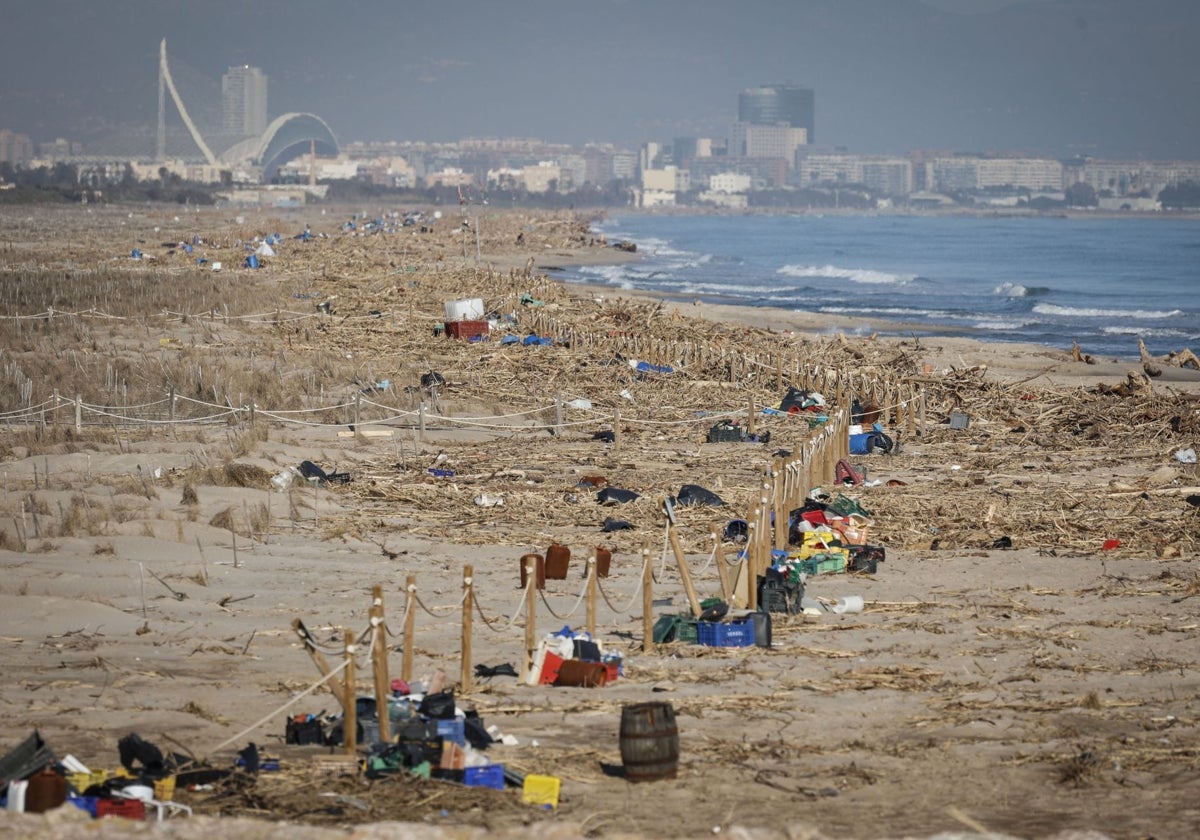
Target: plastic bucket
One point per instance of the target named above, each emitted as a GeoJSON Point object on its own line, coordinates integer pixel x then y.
{"type": "Point", "coordinates": [649, 742]}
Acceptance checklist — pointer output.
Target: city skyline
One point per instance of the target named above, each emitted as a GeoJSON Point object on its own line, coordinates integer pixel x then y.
{"type": "Point", "coordinates": [1039, 77]}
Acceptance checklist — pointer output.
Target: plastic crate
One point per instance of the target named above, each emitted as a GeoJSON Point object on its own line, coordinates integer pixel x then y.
{"type": "Point", "coordinates": [470, 330]}
{"type": "Point", "coordinates": [775, 596]}
{"type": "Point", "coordinates": [824, 564]}
{"type": "Point", "coordinates": [488, 776]}
{"type": "Point", "coordinates": [84, 803]}
{"type": "Point", "coordinates": [130, 809]}
{"type": "Point", "coordinates": [452, 730]}
{"type": "Point", "coordinates": [164, 789]}
{"type": "Point", "coordinates": [83, 781]}
{"type": "Point", "coordinates": [731, 634]}
{"type": "Point", "coordinates": [541, 790]}
{"type": "Point", "coordinates": [726, 434]}
{"type": "Point", "coordinates": [686, 630]}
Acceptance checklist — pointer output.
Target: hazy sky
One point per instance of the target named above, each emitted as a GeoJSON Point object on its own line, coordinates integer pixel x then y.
{"type": "Point", "coordinates": [1114, 78]}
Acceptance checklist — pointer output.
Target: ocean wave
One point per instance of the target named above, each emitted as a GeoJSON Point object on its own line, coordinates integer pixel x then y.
{"type": "Point", "coordinates": [1073, 312]}
{"type": "Point", "coordinates": [1016, 290]}
{"type": "Point", "coordinates": [1156, 333]}
{"type": "Point", "coordinates": [1001, 325]}
{"type": "Point", "coordinates": [890, 311]}
{"type": "Point", "coordinates": [854, 275]}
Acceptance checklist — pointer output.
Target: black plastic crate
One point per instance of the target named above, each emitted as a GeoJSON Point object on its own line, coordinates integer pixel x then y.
{"type": "Point", "coordinates": [725, 433]}
{"type": "Point", "coordinates": [866, 558]}
{"type": "Point", "coordinates": [779, 596]}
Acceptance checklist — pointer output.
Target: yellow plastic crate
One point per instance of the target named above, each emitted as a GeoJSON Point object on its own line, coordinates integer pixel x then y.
{"type": "Point", "coordinates": [541, 790]}
{"type": "Point", "coordinates": [83, 781]}
{"type": "Point", "coordinates": [164, 789]}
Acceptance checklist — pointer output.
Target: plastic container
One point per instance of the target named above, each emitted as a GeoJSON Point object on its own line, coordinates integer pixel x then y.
{"type": "Point", "coordinates": [488, 776]}
{"type": "Point", "coordinates": [539, 570]}
{"type": "Point", "coordinates": [685, 630]}
{"type": "Point", "coordinates": [575, 672]}
{"type": "Point", "coordinates": [452, 731]}
{"type": "Point", "coordinates": [467, 329]}
{"type": "Point", "coordinates": [558, 561]}
{"type": "Point", "coordinates": [731, 634]}
{"type": "Point", "coordinates": [551, 663]}
{"type": "Point", "coordinates": [466, 309]}
{"type": "Point", "coordinates": [603, 561]}
{"type": "Point", "coordinates": [130, 809]}
{"type": "Point", "coordinates": [541, 790]}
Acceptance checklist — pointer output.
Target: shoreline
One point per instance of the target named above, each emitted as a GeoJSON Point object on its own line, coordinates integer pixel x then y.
{"type": "Point", "coordinates": [959, 347]}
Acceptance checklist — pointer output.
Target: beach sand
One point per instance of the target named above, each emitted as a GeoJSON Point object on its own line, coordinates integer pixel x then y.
{"type": "Point", "coordinates": [153, 572]}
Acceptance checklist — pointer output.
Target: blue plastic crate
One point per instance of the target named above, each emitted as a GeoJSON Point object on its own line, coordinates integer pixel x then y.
{"type": "Point", "coordinates": [452, 730]}
{"type": "Point", "coordinates": [731, 634]}
{"type": "Point", "coordinates": [488, 776]}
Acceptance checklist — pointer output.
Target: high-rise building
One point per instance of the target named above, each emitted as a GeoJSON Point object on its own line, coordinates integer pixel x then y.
{"type": "Point", "coordinates": [790, 105]}
{"type": "Point", "coordinates": [244, 101]}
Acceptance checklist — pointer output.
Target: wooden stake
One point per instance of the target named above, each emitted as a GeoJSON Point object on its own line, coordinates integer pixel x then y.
{"type": "Point", "coordinates": [468, 603]}
{"type": "Point", "coordinates": [647, 602]}
{"type": "Point", "coordinates": [318, 658]}
{"type": "Point", "coordinates": [591, 593]}
{"type": "Point", "coordinates": [379, 665]}
{"type": "Point", "coordinates": [722, 571]}
{"type": "Point", "coordinates": [410, 620]}
{"type": "Point", "coordinates": [350, 706]}
{"type": "Point", "coordinates": [530, 618]}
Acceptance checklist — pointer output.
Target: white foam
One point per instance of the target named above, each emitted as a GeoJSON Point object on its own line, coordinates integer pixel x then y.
{"type": "Point", "coordinates": [1011, 290]}
{"type": "Point", "coordinates": [1074, 312]}
{"type": "Point", "coordinates": [854, 275]}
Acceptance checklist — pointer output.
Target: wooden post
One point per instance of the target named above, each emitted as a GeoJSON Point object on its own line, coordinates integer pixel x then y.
{"type": "Point", "coordinates": [647, 602]}
{"type": "Point", "coordinates": [558, 414]}
{"type": "Point", "coordinates": [319, 660]}
{"type": "Point", "coordinates": [722, 572]}
{"type": "Point", "coordinates": [530, 618]}
{"type": "Point", "coordinates": [380, 665]}
{"type": "Point", "coordinates": [79, 413]}
{"type": "Point", "coordinates": [357, 409]}
{"type": "Point", "coordinates": [781, 514]}
{"type": "Point", "coordinates": [421, 422]}
{"type": "Point", "coordinates": [750, 419]}
{"type": "Point", "coordinates": [350, 707]}
{"type": "Point", "coordinates": [171, 406]}
{"type": "Point", "coordinates": [617, 430]}
{"type": "Point", "coordinates": [468, 603]}
{"type": "Point", "coordinates": [253, 418]}
{"type": "Point", "coordinates": [410, 620]}
{"type": "Point", "coordinates": [684, 572]}
{"type": "Point", "coordinates": [57, 400]}
{"type": "Point", "coordinates": [591, 594]}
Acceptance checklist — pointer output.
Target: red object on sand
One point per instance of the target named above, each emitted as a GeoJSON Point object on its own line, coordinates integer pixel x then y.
{"type": "Point", "coordinates": [1111, 544]}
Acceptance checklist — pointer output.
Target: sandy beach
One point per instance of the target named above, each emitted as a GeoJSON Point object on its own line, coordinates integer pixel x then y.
{"type": "Point", "coordinates": [154, 567]}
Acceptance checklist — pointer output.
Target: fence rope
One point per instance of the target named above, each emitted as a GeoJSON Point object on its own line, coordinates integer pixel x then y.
{"type": "Point", "coordinates": [570, 612]}
{"type": "Point", "coordinates": [632, 599]}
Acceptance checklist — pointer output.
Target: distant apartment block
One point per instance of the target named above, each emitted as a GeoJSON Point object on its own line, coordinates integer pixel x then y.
{"type": "Point", "coordinates": [767, 141]}
{"type": "Point", "coordinates": [244, 101]}
{"type": "Point", "coordinates": [971, 174]}
{"type": "Point", "coordinates": [888, 175]}
{"type": "Point", "coordinates": [1124, 178]}
{"type": "Point", "coordinates": [15, 148]}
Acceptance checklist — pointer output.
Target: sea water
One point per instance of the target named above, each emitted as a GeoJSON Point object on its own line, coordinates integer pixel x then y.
{"type": "Point", "coordinates": [1103, 282]}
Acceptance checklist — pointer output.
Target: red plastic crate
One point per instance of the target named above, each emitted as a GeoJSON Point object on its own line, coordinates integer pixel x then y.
{"type": "Point", "coordinates": [613, 671]}
{"type": "Point", "coordinates": [467, 329]}
{"type": "Point", "coordinates": [130, 809]}
{"type": "Point", "coordinates": [550, 665]}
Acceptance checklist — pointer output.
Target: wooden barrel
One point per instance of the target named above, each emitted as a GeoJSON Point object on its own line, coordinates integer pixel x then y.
{"type": "Point", "coordinates": [558, 560]}
{"type": "Point", "coordinates": [539, 569]}
{"type": "Point", "coordinates": [649, 742]}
